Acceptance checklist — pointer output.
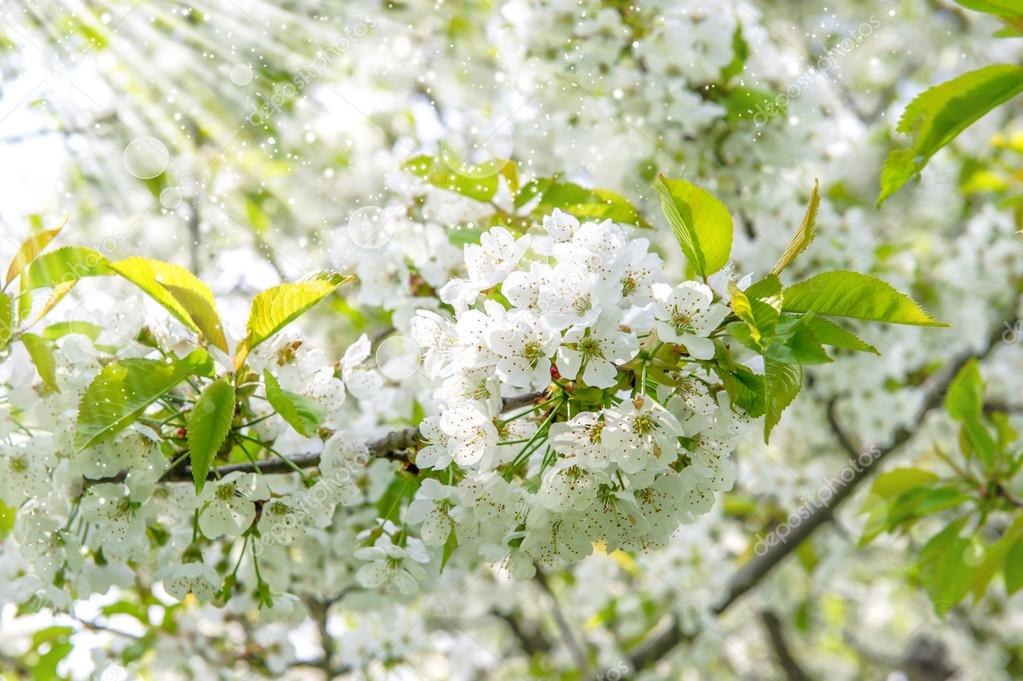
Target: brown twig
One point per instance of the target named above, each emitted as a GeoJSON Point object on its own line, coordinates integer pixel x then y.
{"type": "Point", "coordinates": [571, 642]}
{"type": "Point", "coordinates": [388, 447]}
{"type": "Point", "coordinates": [776, 637]}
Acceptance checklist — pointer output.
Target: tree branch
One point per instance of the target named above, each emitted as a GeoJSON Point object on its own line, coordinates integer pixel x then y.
{"type": "Point", "coordinates": [757, 568]}
{"type": "Point", "coordinates": [582, 664]}
{"type": "Point", "coordinates": [776, 636]}
{"type": "Point", "coordinates": [531, 642]}
{"type": "Point", "coordinates": [386, 447]}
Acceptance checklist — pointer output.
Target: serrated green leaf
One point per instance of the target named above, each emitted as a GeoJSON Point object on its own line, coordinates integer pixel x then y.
{"type": "Point", "coordinates": [701, 223]}
{"type": "Point", "coordinates": [742, 332]}
{"type": "Point", "coordinates": [782, 382]}
{"type": "Point", "coordinates": [964, 402]}
{"type": "Point", "coordinates": [30, 248]}
{"type": "Point", "coordinates": [42, 356]}
{"type": "Point", "coordinates": [58, 330]}
{"type": "Point", "coordinates": [995, 557]}
{"type": "Point", "coordinates": [946, 568]}
{"type": "Point", "coordinates": [583, 203]}
{"type": "Point", "coordinates": [7, 516]}
{"type": "Point", "coordinates": [745, 389]}
{"type": "Point", "coordinates": [921, 501]}
{"type": "Point", "coordinates": [860, 296]}
{"type": "Point", "coordinates": [276, 307]}
{"type": "Point", "coordinates": [939, 114]}
{"type": "Point", "coordinates": [799, 346]}
{"type": "Point", "coordinates": [475, 182]}
{"type": "Point", "coordinates": [1003, 8]}
{"type": "Point", "coordinates": [740, 53]}
{"type": "Point", "coordinates": [179, 291]}
{"type": "Point", "coordinates": [56, 295]}
{"type": "Point", "coordinates": [761, 317]}
{"type": "Point", "coordinates": [804, 235]}
{"type": "Point", "coordinates": [303, 414]}
{"type": "Point", "coordinates": [829, 333]}
{"type": "Point", "coordinates": [1013, 570]}
{"type": "Point", "coordinates": [746, 103]}
{"type": "Point", "coordinates": [893, 483]}
{"type": "Point", "coordinates": [6, 319]}
{"type": "Point", "coordinates": [768, 287]}
{"type": "Point", "coordinates": [449, 548]}
{"type": "Point", "coordinates": [208, 426]}
{"type": "Point", "coordinates": [63, 266]}
{"type": "Point", "coordinates": [122, 391]}
{"type": "Point", "coordinates": [965, 397]}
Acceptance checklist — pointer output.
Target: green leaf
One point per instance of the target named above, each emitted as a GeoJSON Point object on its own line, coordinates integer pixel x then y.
{"type": "Point", "coordinates": [476, 182]}
{"type": "Point", "coordinates": [746, 103]}
{"type": "Point", "coordinates": [449, 548]}
{"type": "Point", "coordinates": [1013, 570]}
{"type": "Point", "coordinates": [860, 296]}
{"type": "Point", "coordinates": [42, 356]}
{"type": "Point", "coordinates": [799, 346]}
{"type": "Point", "coordinates": [63, 266]}
{"type": "Point", "coordinates": [6, 319]}
{"type": "Point", "coordinates": [964, 400]}
{"type": "Point", "coordinates": [804, 235]}
{"type": "Point", "coordinates": [995, 557]}
{"type": "Point", "coordinates": [122, 391]}
{"type": "Point", "coordinates": [58, 330]}
{"type": "Point", "coordinates": [782, 382]}
{"type": "Point", "coordinates": [702, 225]}
{"type": "Point", "coordinates": [946, 567]}
{"type": "Point", "coordinates": [742, 332]}
{"type": "Point", "coordinates": [895, 482]}
{"type": "Point", "coordinates": [768, 287]}
{"type": "Point", "coordinates": [56, 295]}
{"type": "Point", "coordinates": [939, 114]}
{"type": "Point", "coordinates": [760, 317]}
{"type": "Point", "coordinates": [921, 501]}
{"type": "Point", "coordinates": [276, 307]}
{"type": "Point", "coordinates": [7, 516]}
{"type": "Point", "coordinates": [303, 414]}
{"type": "Point", "coordinates": [30, 248]}
{"type": "Point", "coordinates": [740, 53]}
{"type": "Point", "coordinates": [187, 298]}
{"type": "Point", "coordinates": [745, 389]}
{"type": "Point", "coordinates": [1003, 8]}
{"type": "Point", "coordinates": [976, 438]}
{"type": "Point", "coordinates": [208, 426]}
{"type": "Point", "coordinates": [829, 333]}
{"type": "Point", "coordinates": [583, 203]}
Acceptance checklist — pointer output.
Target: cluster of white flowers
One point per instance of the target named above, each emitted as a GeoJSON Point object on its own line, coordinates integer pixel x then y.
{"type": "Point", "coordinates": [570, 401]}
{"type": "Point", "coordinates": [585, 306]}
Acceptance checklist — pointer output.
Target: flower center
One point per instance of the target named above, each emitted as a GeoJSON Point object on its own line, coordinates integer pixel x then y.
{"type": "Point", "coordinates": [581, 304]}
{"type": "Point", "coordinates": [644, 424]}
{"type": "Point", "coordinates": [680, 319]}
{"type": "Point", "coordinates": [19, 464]}
{"type": "Point", "coordinates": [629, 285]}
{"type": "Point", "coordinates": [533, 352]}
{"type": "Point", "coordinates": [225, 492]}
{"type": "Point", "coordinates": [589, 347]}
